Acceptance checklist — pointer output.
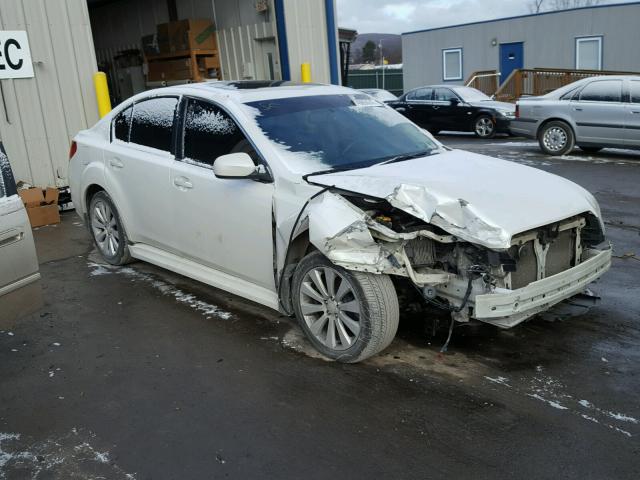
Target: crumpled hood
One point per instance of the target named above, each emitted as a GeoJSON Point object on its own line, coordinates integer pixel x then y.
{"type": "Point", "coordinates": [477, 198]}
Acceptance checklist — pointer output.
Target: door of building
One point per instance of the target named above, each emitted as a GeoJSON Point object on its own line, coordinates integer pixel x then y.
{"type": "Point", "coordinates": [511, 58]}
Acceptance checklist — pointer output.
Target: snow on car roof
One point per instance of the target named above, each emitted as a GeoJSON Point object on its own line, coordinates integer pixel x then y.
{"type": "Point", "coordinates": [251, 90]}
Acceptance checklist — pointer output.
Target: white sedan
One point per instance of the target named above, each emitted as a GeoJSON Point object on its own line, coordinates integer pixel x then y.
{"type": "Point", "coordinates": [309, 198]}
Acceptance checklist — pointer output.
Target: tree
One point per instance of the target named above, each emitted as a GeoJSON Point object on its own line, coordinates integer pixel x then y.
{"type": "Point", "coordinates": [369, 52]}
{"type": "Point", "coordinates": [536, 6]}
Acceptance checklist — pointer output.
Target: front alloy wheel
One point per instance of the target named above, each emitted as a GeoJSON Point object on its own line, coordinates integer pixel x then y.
{"type": "Point", "coordinates": [347, 316]}
{"type": "Point", "coordinates": [485, 127]}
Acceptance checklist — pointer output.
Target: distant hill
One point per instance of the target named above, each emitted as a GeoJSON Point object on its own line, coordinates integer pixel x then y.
{"type": "Point", "coordinates": [391, 46]}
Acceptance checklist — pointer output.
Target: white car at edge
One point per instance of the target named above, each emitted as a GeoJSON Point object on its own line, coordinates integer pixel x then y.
{"type": "Point", "coordinates": [309, 198]}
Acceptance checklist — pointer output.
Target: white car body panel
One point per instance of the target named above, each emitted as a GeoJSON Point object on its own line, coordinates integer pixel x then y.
{"type": "Point", "coordinates": [18, 260]}
{"type": "Point", "coordinates": [235, 234]}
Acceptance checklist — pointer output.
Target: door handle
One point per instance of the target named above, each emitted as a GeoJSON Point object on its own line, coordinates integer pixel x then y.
{"type": "Point", "coordinates": [401, 109]}
{"type": "Point", "coordinates": [577, 109]}
{"type": "Point", "coordinates": [635, 111]}
{"type": "Point", "coordinates": [116, 163]}
{"type": "Point", "coordinates": [10, 236]}
{"type": "Point", "coordinates": [183, 183]}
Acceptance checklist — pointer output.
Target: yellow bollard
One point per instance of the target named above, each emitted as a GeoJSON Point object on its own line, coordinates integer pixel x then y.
{"type": "Point", "coordinates": [305, 73]}
{"type": "Point", "coordinates": [102, 93]}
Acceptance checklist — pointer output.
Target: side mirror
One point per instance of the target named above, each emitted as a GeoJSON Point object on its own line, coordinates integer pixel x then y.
{"type": "Point", "coordinates": [234, 165]}
{"type": "Point", "coordinates": [454, 102]}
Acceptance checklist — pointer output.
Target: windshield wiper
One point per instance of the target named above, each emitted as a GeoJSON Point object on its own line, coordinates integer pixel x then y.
{"type": "Point", "coordinates": [343, 168]}
{"type": "Point", "coordinates": [408, 156]}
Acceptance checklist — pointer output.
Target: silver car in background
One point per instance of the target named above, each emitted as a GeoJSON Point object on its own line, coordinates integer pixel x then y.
{"type": "Point", "coordinates": [592, 113]}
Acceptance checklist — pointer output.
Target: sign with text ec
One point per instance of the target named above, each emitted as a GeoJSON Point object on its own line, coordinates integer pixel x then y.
{"type": "Point", "coordinates": [15, 55]}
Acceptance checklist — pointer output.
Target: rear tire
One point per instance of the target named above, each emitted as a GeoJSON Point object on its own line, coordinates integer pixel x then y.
{"type": "Point", "coordinates": [107, 230]}
{"type": "Point", "coordinates": [556, 138]}
{"type": "Point", "coordinates": [589, 149]}
{"type": "Point", "coordinates": [348, 316]}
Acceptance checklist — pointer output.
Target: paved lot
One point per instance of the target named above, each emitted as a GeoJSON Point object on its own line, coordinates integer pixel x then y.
{"type": "Point", "coordinates": [138, 373]}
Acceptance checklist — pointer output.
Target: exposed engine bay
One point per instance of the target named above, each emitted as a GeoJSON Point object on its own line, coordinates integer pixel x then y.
{"type": "Point", "coordinates": [370, 234]}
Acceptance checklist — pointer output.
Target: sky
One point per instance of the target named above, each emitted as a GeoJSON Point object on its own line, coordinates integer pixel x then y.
{"type": "Point", "coordinates": [397, 16]}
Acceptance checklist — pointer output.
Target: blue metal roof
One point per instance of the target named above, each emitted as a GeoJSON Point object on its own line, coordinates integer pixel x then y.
{"type": "Point", "coordinates": [522, 16]}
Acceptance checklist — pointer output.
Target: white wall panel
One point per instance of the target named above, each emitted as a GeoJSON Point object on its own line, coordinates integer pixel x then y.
{"type": "Point", "coordinates": [43, 113]}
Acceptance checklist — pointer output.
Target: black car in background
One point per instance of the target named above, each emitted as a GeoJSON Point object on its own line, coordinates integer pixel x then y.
{"type": "Point", "coordinates": [455, 108]}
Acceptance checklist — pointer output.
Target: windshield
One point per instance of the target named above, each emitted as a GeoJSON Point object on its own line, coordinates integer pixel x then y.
{"type": "Point", "coordinates": [325, 132]}
{"type": "Point", "coordinates": [469, 94]}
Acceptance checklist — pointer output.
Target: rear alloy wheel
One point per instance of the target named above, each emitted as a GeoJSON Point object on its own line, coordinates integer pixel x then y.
{"type": "Point", "coordinates": [348, 316]}
{"type": "Point", "coordinates": [590, 149]}
{"type": "Point", "coordinates": [107, 230]}
{"type": "Point", "coordinates": [484, 127]}
{"type": "Point", "coordinates": [556, 138]}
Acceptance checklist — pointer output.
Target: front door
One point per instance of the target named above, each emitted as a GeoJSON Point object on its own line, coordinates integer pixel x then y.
{"type": "Point", "coordinates": [511, 58]}
{"type": "Point", "coordinates": [225, 224]}
{"type": "Point", "coordinates": [599, 113]}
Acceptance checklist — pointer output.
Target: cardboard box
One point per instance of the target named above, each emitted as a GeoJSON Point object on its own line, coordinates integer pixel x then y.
{"type": "Point", "coordinates": [42, 205]}
{"type": "Point", "coordinates": [44, 215]}
{"type": "Point", "coordinates": [169, 70]}
{"type": "Point", "coordinates": [210, 62]}
{"type": "Point", "coordinates": [190, 34]}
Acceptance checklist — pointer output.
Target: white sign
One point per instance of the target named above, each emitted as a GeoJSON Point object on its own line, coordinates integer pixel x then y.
{"type": "Point", "coordinates": [15, 55]}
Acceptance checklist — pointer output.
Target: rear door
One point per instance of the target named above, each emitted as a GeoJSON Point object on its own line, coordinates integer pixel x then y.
{"type": "Point", "coordinates": [138, 167]}
{"type": "Point", "coordinates": [632, 126]}
{"type": "Point", "coordinates": [417, 106]}
{"type": "Point", "coordinates": [18, 260]}
{"type": "Point", "coordinates": [599, 113]}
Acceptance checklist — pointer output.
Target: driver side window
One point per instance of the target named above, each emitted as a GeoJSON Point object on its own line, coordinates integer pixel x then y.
{"type": "Point", "coordinates": [209, 132]}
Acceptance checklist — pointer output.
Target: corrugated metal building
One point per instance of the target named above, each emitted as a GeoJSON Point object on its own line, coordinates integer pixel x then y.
{"type": "Point", "coordinates": [261, 40]}
{"type": "Point", "coordinates": [602, 37]}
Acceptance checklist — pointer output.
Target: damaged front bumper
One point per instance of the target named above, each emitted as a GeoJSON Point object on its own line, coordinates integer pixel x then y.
{"type": "Point", "coordinates": [507, 308]}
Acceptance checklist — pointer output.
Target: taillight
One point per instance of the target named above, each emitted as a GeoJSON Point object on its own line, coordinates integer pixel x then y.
{"type": "Point", "coordinates": [517, 111]}
{"type": "Point", "coordinates": [73, 149]}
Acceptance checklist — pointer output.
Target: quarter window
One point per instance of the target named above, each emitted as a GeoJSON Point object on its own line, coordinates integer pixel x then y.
{"type": "Point", "coordinates": [602, 91]}
{"type": "Point", "coordinates": [152, 123]}
{"type": "Point", "coordinates": [210, 132]}
{"type": "Point", "coordinates": [589, 53]}
{"type": "Point", "coordinates": [634, 86]}
{"type": "Point", "coordinates": [122, 124]}
{"type": "Point", "coordinates": [452, 64]}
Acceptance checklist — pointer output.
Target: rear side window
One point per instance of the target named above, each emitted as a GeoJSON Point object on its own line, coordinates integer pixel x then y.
{"type": "Point", "coordinates": [7, 182]}
{"type": "Point", "coordinates": [210, 132]}
{"type": "Point", "coordinates": [635, 91]}
{"type": "Point", "coordinates": [444, 95]}
{"type": "Point", "coordinates": [122, 124]}
{"type": "Point", "coordinates": [420, 94]}
{"type": "Point", "coordinates": [602, 91]}
{"type": "Point", "coordinates": [152, 123]}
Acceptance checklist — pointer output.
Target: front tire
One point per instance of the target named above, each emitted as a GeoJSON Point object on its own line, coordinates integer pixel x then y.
{"type": "Point", "coordinates": [556, 138]}
{"type": "Point", "coordinates": [484, 127]}
{"type": "Point", "coordinates": [348, 316]}
{"type": "Point", "coordinates": [107, 230]}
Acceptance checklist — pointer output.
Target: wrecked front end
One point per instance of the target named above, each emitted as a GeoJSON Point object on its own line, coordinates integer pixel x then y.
{"type": "Point", "coordinates": [457, 260]}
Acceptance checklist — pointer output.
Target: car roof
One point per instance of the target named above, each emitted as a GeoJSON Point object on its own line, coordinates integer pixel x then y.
{"type": "Point", "coordinates": [251, 90]}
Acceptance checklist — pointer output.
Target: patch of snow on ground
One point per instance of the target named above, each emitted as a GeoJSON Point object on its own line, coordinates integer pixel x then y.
{"type": "Point", "coordinates": [207, 309]}
{"type": "Point", "coordinates": [499, 380]}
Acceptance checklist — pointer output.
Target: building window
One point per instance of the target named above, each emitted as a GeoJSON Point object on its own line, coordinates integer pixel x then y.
{"type": "Point", "coordinates": [589, 53]}
{"type": "Point", "coordinates": [452, 64]}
